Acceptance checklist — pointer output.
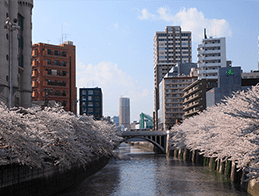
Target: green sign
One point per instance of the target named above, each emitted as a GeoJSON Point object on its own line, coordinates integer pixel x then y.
{"type": "Point", "coordinates": [230, 72]}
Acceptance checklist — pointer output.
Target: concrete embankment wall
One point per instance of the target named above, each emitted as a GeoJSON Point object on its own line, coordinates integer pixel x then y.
{"type": "Point", "coordinates": [20, 180]}
{"type": "Point", "coordinates": [227, 168]}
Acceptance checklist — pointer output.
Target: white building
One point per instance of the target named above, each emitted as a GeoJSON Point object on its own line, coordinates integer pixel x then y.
{"type": "Point", "coordinates": [211, 56]}
{"type": "Point", "coordinates": [15, 52]}
{"type": "Point", "coordinates": [124, 112]}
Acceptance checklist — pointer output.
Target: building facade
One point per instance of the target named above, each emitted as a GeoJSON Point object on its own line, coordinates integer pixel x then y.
{"type": "Point", "coordinates": [211, 55]}
{"type": "Point", "coordinates": [115, 120]}
{"type": "Point", "coordinates": [91, 102]}
{"type": "Point", "coordinates": [251, 74]}
{"type": "Point", "coordinates": [124, 112]}
{"type": "Point", "coordinates": [170, 47]}
{"type": "Point", "coordinates": [171, 100]}
{"type": "Point", "coordinates": [54, 74]}
{"type": "Point", "coordinates": [15, 52]}
{"type": "Point", "coordinates": [194, 98]}
{"type": "Point", "coordinates": [229, 81]}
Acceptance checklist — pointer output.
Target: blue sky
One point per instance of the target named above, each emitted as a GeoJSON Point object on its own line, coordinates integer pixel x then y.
{"type": "Point", "coordinates": [114, 39]}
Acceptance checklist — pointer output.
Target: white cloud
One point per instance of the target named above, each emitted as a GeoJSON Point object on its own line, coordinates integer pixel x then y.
{"type": "Point", "coordinates": [115, 83]}
{"type": "Point", "coordinates": [194, 21]}
{"type": "Point", "coordinates": [146, 15]}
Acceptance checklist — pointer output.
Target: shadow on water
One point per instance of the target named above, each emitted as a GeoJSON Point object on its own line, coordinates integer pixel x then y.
{"type": "Point", "coordinates": [138, 172]}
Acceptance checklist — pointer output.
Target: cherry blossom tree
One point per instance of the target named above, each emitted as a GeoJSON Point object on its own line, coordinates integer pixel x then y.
{"type": "Point", "coordinates": [52, 136]}
{"type": "Point", "coordinates": [227, 131]}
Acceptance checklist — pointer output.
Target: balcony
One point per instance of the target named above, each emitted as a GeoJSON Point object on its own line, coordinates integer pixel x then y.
{"type": "Point", "coordinates": [208, 64]}
{"type": "Point", "coordinates": [34, 73]}
{"type": "Point", "coordinates": [61, 84]}
{"type": "Point", "coordinates": [35, 63]}
{"type": "Point", "coordinates": [192, 104]}
{"type": "Point", "coordinates": [34, 83]}
{"type": "Point", "coordinates": [192, 97]}
{"type": "Point", "coordinates": [34, 94]}
{"type": "Point", "coordinates": [35, 53]}
{"type": "Point", "coordinates": [50, 74]}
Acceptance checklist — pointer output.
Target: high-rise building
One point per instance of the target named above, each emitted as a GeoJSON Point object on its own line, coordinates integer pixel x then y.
{"type": "Point", "coordinates": [91, 102]}
{"type": "Point", "coordinates": [15, 52]}
{"type": "Point", "coordinates": [124, 112]}
{"type": "Point", "coordinates": [170, 47]}
{"type": "Point", "coordinates": [54, 74]}
{"type": "Point", "coordinates": [211, 55]}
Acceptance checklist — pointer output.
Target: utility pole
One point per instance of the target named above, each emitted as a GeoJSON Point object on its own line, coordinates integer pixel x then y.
{"type": "Point", "coordinates": [11, 27]}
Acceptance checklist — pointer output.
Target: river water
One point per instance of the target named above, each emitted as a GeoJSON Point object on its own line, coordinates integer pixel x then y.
{"type": "Point", "coordinates": [138, 172]}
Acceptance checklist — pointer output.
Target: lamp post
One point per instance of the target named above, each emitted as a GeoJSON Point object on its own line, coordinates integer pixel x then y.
{"type": "Point", "coordinates": [11, 27]}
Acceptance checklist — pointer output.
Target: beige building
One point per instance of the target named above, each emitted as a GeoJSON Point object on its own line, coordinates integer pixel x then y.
{"type": "Point", "coordinates": [171, 46]}
{"type": "Point", "coordinates": [15, 52]}
{"type": "Point", "coordinates": [251, 74]}
{"type": "Point", "coordinates": [171, 100]}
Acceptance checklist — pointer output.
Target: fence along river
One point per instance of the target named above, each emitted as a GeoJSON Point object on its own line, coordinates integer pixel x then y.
{"type": "Point", "coordinates": [139, 172]}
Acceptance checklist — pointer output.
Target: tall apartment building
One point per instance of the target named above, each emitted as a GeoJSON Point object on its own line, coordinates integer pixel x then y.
{"type": "Point", "coordinates": [91, 102]}
{"type": "Point", "coordinates": [211, 55]}
{"type": "Point", "coordinates": [170, 46]}
{"type": "Point", "coordinates": [124, 112]}
{"type": "Point", "coordinates": [171, 94]}
{"type": "Point", "coordinates": [15, 52]}
{"type": "Point", "coordinates": [54, 74]}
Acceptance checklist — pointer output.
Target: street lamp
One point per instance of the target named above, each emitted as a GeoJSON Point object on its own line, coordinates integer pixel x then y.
{"type": "Point", "coordinates": [11, 27]}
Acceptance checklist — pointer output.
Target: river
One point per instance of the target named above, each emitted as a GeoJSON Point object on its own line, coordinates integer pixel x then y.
{"type": "Point", "coordinates": [138, 172]}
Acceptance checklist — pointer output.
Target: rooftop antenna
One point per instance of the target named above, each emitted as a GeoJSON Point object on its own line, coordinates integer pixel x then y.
{"type": "Point", "coordinates": [62, 34]}
{"type": "Point", "coordinates": [124, 94]}
{"type": "Point", "coordinates": [205, 36]}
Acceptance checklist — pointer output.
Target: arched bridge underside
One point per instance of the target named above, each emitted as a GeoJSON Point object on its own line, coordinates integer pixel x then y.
{"type": "Point", "coordinates": [158, 138]}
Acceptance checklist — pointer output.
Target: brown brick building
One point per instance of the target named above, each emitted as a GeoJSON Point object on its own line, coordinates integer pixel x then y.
{"type": "Point", "coordinates": [54, 74]}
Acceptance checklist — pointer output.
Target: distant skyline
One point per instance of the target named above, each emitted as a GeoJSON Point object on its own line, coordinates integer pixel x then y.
{"type": "Point", "coordinates": [114, 40]}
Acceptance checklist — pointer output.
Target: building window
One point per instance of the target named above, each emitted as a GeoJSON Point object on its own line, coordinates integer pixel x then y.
{"type": "Point", "coordinates": [64, 53]}
{"type": "Point", "coordinates": [90, 98]}
{"type": "Point", "coordinates": [97, 104]}
{"type": "Point", "coordinates": [64, 103]}
{"type": "Point", "coordinates": [56, 62]}
{"type": "Point", "coordinates": [49, 51]}
{"type": "Point", "coordinates": [48, 61]}
{"type": "Point", "coordinates": [90, 92]}
{"type": "Point", "coordinates": [57, 53]}
{"type": "Point", "coordinates": [90, 103]}
{"type": "Point", "coordinates": [90, 109]}
{"type": "Point", "coordinates": [57, 92]}
{"type": "Point", "coordinates": [64, 63]}
{"type": "Point", "coordinates": [83, 97]}
{"type": "Point", "coordinates": [84, 92]}
{"type": "Point", "coordinates": [97, 110]}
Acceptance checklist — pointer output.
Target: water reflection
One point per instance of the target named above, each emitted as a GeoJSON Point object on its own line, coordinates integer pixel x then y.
{"type": "Point", "coordinates": [138, 172]}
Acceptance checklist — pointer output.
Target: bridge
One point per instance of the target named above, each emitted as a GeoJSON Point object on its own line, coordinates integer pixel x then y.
{"type": "Point", "coordinates": [158, 138]}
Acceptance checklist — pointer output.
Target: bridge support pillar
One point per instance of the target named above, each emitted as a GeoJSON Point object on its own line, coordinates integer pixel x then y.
{"type": "Point", "coordinates": [167, 143]}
